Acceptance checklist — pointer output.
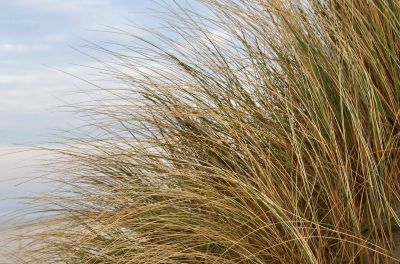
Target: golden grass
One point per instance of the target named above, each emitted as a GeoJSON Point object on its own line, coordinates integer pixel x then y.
{"type": "Point", "coordinates": [265, 133]}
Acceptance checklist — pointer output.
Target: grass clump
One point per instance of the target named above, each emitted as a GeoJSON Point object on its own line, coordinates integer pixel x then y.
{"type": "Point", "coordinates": [267, 132]}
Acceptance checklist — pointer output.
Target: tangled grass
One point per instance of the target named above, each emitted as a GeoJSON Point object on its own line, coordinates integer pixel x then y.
{"type": "Point", "coordinates": [267, 132]}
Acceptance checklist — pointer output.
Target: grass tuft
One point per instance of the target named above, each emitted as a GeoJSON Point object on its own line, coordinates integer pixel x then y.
{"type": "Point", "coordinates": [265, 132]}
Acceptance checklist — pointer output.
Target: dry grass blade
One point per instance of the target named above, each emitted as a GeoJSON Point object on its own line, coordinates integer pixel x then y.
{"type": "Point", "coordinates": [267, 132]}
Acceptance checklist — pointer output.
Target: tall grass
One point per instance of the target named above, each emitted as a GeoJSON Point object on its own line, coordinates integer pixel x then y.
{"type": "Point", "coordinates": [267, 132]}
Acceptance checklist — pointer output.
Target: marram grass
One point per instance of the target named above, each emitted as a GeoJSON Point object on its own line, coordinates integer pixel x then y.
{"type": "Point", "coordinates": [265, 133]}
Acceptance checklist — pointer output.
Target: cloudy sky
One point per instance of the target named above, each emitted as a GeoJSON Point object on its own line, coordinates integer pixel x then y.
{"type": "Point", "coordinates": [38, 40]}
{"type": "Point", "coordinates": [37, 37]}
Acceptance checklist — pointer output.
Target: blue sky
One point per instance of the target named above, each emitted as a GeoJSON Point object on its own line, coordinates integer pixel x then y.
{"type": "Point", "coordinates": [37, 37]}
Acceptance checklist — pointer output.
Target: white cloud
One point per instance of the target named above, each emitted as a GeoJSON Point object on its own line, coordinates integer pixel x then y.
{"type": "Point", "coordinates": [14, 48]}
{"type": "Point", "coordinates": [57, 6]}
{"type": "Point", "coordinates": [40, 90]}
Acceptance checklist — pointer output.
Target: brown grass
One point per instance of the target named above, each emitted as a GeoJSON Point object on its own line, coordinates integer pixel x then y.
{"type": "Point", "coordinates": [265, 133]}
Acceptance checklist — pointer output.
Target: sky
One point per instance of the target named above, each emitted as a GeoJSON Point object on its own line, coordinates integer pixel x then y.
{"type": "Point", "coordinates": [40, 40]}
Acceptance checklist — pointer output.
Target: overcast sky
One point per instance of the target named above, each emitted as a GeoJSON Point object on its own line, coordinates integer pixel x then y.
{"type": "Point", "coordinates": [37, 37]}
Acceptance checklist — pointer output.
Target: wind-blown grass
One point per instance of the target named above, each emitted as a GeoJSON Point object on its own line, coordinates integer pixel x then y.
{"type": "Point", "coordinates": [266, 133]}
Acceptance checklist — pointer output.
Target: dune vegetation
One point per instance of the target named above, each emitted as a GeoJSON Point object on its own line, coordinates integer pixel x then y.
{"type": "Point", "coordinates": [266, 131]}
